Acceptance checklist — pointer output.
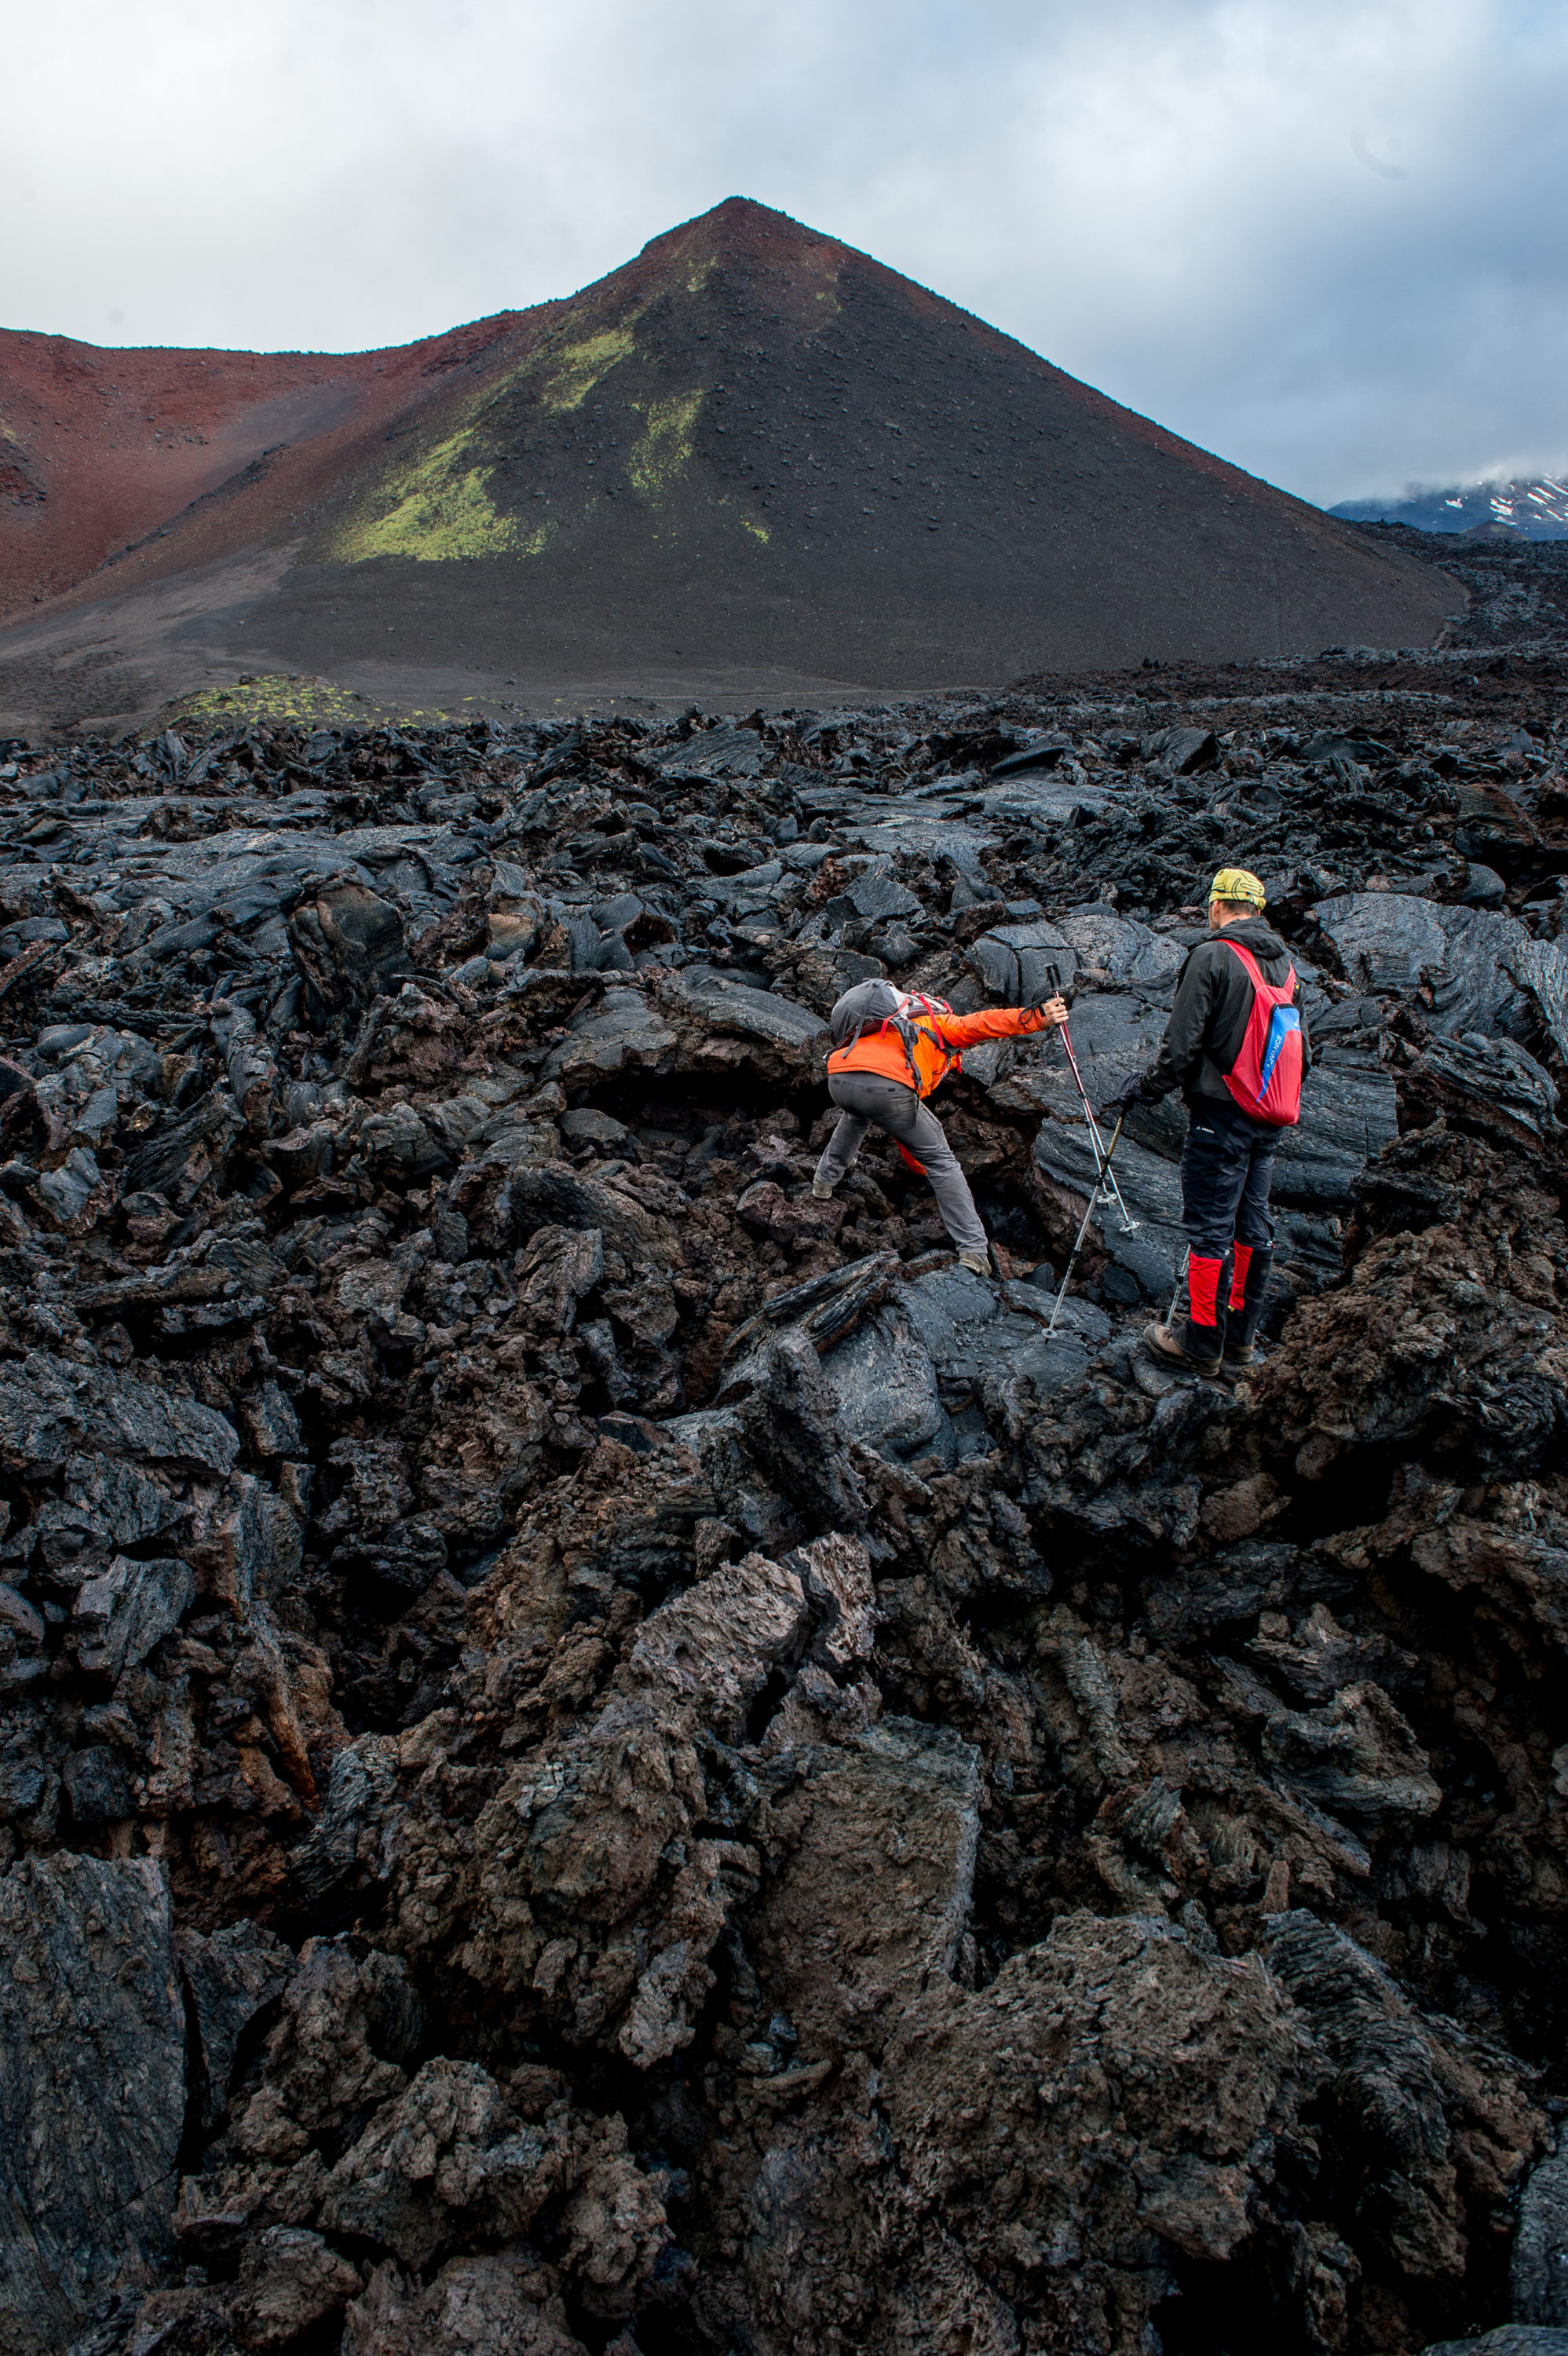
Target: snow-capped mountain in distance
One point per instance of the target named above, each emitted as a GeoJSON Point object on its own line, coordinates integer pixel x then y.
{"type": "Point", "coordinates": [1537, 508]}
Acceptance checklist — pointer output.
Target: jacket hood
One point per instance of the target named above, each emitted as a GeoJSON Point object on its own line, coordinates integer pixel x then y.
{"type": "Point", "coordinates": [1256, 935]}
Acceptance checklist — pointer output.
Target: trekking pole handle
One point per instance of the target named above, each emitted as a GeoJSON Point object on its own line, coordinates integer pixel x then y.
{"type": "Point", "coordinates": [1054, 990]}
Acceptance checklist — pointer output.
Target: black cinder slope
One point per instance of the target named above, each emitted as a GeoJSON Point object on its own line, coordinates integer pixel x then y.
{"type": "Point", "coordinates": [754, 455]}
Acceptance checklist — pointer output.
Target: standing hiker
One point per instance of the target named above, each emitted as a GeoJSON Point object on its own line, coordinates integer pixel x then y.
{"type": "Point", "coordinates": [890, 1050]}
{"type": "Point", "coordinates": [1236, 1047]}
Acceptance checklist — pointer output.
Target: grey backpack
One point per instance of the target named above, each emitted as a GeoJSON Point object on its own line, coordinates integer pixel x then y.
{"type": "Point", "coordinates": [864, 1008]}
{"type": "Point", "coordinates": [868, 1007]}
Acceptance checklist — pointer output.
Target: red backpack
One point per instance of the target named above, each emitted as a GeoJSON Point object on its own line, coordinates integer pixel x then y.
{"type": "Point", "coordinates": [1265, 1078]}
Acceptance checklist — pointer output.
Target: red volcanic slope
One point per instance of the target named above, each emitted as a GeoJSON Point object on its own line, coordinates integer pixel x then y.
{"type": "Point", "coordinates": [100, 448]}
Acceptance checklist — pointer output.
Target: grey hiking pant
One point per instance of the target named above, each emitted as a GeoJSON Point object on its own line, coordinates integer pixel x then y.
{"type": "Point", "coordinates": [868, 1096]}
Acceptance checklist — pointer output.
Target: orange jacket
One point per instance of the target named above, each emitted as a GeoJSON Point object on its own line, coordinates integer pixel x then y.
{"type": "Point", "coordinates": [940, 1039]}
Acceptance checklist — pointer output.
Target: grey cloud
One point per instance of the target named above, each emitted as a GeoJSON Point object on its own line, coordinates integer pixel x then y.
{"type": "Point", "coordinates": [1189, 203]}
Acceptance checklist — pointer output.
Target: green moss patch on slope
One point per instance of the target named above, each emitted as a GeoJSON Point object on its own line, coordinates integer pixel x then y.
{"type": "Point", "coordinates": [663, 452]}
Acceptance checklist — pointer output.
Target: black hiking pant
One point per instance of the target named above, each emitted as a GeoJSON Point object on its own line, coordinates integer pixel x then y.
{"type": "Point", "coordinates": [1227, 1170]}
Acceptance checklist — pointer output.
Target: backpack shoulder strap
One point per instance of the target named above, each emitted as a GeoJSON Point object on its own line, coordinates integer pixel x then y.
{"type": "Point", "coordinates": [1282, 993]}
{"type": "Point", "coordinates": [904, 1031]}
{"type": "Point", "coordinates": [1255, 970]}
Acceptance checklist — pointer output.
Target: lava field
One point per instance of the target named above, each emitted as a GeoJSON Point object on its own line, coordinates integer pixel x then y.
{"type": "Point", "coordinates": [598, 1754]}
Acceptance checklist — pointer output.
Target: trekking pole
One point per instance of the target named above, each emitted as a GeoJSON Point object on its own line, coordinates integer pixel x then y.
{"type": "Point", "coordinates": [1097, 1140]}
{"type": "Point", "coordinates": [1054, 978]}
{"type": "Point", "coordinates": [1084, 1227]}
{"type": "Point", "coordinates": [1181, 1281]}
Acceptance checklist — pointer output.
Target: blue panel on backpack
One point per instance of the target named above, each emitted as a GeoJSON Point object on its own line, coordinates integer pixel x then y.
{"type": "Point", "coordinates": [1282, 1022]}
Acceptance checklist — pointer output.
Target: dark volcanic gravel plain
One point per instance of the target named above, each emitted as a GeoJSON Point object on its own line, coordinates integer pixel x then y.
{"type": "Point", "coordinates": [597, 1754]}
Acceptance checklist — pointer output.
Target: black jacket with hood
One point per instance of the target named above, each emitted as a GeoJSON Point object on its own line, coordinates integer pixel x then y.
{"type": "Point", "coordinates": [1213, 1005]}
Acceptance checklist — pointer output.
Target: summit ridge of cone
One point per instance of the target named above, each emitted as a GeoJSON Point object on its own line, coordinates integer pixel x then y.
{"type": "Point", "coordinates": [750, 459]}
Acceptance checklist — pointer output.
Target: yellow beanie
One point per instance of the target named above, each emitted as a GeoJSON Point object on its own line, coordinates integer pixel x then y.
{"type": "Point", "coordinates": [1235, 884]}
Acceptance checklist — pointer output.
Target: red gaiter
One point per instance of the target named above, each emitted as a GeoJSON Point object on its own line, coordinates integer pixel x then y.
{"type": "Point", "coordinates": [1239, 1276]}
{"type": "Point", "coordinates": [1202, 1289]}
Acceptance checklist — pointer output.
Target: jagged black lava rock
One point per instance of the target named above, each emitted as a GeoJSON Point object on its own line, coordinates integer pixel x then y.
{"type": "Point", "coordinates": [597, 1753]}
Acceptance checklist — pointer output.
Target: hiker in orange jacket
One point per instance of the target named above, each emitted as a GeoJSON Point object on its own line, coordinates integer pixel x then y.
{"type": "Point", "coordinates": [890, 1049]}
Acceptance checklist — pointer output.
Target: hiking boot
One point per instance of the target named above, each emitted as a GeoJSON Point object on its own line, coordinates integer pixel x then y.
{"type": "Point", "coordinates": [1196, 1348]}
{"type": "Point", "coordinates": [822, 1190]}
{"type": "Point", "coordinates": [977, 1263]}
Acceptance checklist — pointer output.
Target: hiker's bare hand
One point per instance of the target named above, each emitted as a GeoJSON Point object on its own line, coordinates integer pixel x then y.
{"type": "Point", "coordinates": [1052, 1013]}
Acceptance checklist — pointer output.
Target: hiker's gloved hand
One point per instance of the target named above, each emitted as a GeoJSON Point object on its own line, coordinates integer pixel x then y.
{"type": "Point", "coordinates": [1053, 1013]}
{"type": "Point", "coordinates": [1136, 1091]}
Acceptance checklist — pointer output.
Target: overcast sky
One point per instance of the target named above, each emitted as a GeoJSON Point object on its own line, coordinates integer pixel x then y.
{"type": "Point", "coordinates": [1325, 238]}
